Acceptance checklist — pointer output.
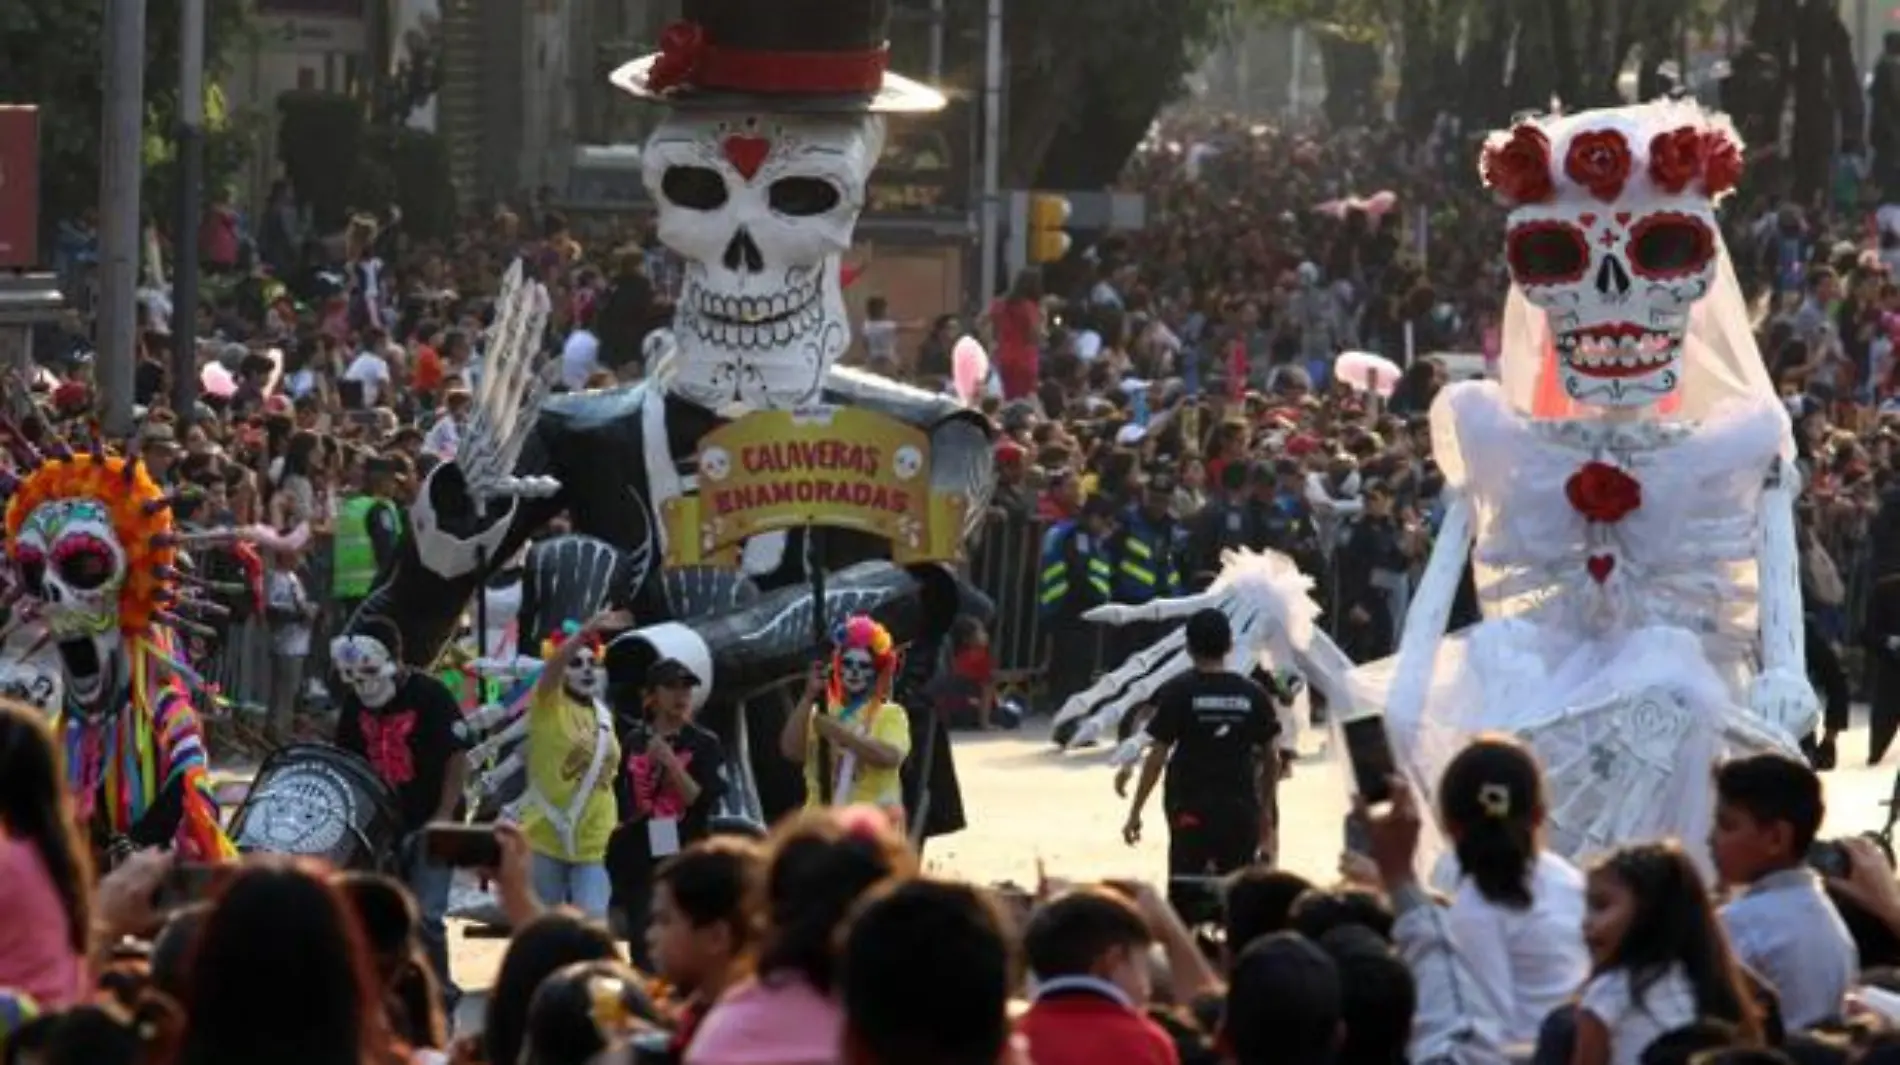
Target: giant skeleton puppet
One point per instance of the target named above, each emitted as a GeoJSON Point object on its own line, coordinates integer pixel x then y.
{"type": "Point", "coordinates": [759, 173]}
{"type": "Point", "coordinates": [91, 540]}
{"type": "Point", "coordinates": [1625, 493]}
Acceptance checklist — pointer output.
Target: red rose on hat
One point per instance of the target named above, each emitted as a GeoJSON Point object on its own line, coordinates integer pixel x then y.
{"type": "Point", "coordinates": [1518, 167]}
{"type": "Point", "coordinates": [1599, 160]}
{"type": "Point", "coordinates": [1675, 158]}
{"type": "Point", "coordinates": [1602, 493]}
{"type": "Point", "coordinates": [682, 50]}
{"type": "Point", "coordinates": [1722, 162]}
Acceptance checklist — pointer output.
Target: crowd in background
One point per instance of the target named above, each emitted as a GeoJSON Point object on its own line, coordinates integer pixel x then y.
{"type": "Point", "coordinates": [1177, 383]}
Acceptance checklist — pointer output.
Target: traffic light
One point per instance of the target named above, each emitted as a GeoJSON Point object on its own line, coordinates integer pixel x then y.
{"type": "Point", "coordinates": [1048, 213]}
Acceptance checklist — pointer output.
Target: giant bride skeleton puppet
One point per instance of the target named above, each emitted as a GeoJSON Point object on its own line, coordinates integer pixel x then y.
{"type": "Point", "coordinates": [758, 170]}
{"type": "Point", "coordinates": [1625, 493]}
{"type": "Point", "coordinates": [91, 540]}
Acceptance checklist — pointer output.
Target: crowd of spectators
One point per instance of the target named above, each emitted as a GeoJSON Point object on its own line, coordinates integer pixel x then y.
{"type": "Point", "coordinates": [1179, 377]}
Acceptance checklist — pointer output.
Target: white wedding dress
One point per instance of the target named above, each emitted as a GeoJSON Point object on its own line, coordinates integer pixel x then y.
{"type": "Point", "coordinates": [1629, 687]}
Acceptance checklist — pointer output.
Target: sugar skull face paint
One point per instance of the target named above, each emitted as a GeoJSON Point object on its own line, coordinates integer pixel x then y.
{"type": "Point", "coordinates": [857, 671]}
{"type": "Point", "coordinates": [366, 667]}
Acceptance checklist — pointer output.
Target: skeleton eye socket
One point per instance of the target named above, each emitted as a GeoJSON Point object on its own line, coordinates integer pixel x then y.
{"type": "Point", "coordinates": [85, 562]}
{"type": "Point", "coordinates": [696, 188]}
{"type": "Point", "coordinates": [1670, 245]}
{"type": "Point", "coordinates": [32, 566]}
{"type": "Point", "coordinates": [1547, 253]}
{"type": "Point", "coordinates": [803, 197]}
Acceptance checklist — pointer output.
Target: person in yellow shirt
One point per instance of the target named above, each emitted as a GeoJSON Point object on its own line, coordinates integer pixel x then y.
{"type": "Point", "coordinates": [568, 810]}
{"type": "Point", "coordinates": [853, 749]}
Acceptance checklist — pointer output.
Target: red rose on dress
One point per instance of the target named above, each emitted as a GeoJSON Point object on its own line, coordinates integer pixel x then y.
{"type": "Point", "coordinates": [1518, 168]}
{"type": "Point", "coordinates": [682, 49]}
{"type": "Point", "coordinates": [1675, 158]}
{"type": "Point", "coordinates": [1721, 162]}
{"type": "Point", "coordinates": [1599, 160]}
{"type": "Point", "coordinates": [1602, 493]}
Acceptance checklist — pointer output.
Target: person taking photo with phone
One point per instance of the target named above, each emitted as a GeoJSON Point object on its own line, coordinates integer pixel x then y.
{"type": "Point", "coordinates": [1213, 732]}
{"type": "Point", "coordinates": [847, 732]}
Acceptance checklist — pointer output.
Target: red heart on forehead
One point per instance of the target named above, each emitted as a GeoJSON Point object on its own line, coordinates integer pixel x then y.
{"type": "Point", "coordinates": [747, 154]}
{"type": "Point", "coordinates": [1600, 567]}
{"type": "Point", "coordinates": [1622, 218]}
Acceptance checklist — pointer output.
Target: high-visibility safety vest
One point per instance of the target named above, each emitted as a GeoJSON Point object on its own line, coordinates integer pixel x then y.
{"type": "Point", "coordinates": [1054, 586]}
{"type": "Point", "coordinates": [1144, 563]}
{"type": "Point", "coordinates": [353, 554]}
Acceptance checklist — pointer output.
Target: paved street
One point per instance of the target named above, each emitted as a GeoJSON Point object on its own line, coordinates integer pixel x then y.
{"type": "Point", "coordinates": [1027, 802]}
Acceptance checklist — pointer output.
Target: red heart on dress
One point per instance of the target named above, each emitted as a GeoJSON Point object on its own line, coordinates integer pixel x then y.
{"type": "Point", "coordinates": [1600, 567]}
{"type": "Point", "coordinates": [747, 154]}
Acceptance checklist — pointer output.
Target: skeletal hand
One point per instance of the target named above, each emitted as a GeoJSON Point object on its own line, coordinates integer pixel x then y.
{"type": "Point", "coordinates": [507, 397]}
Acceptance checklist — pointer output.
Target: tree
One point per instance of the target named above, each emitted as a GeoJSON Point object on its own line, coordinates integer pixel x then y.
{"type": "Point", "coordinates": [1085, 80]}
{"type": "Point", "coordinates": [50, 55]}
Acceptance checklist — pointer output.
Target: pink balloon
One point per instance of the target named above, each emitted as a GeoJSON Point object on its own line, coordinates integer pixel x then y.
{"type": "Point", "coordinates": [969, 368]}
{"type": "Point", "coordinates": [217, 381]}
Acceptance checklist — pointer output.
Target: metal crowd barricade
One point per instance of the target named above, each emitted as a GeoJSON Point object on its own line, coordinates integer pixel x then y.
{"type": "Point", "coordinates": [1006, 565]}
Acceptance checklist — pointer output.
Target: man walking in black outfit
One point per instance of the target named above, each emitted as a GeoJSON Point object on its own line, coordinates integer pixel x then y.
{"type": "Point", "coordinates": [1214, 731]}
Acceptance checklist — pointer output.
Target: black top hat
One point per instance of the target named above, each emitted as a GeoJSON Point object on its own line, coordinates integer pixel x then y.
{"type": "Point", "coordinates": [823, 56]}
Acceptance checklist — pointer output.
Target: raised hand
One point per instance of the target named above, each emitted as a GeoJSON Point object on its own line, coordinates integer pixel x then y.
{"type": "Point", "coordinates": [507, 397]}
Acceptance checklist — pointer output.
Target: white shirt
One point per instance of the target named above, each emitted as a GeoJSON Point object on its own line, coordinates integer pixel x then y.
{"type": "Point", "coordinates": [580, 357]}
{"type": "Point", "coordinates": [880, 339]}
{"type": "Point", "coordinates": [1528, 962]}
{"type": "Point", "coordinates": [1668, 1004]}
{"type": "Point", "coordinates": [1786, 929]}
{"type": "Point", "coordinates": [372, 372]}
{"type": "Point", "coordinates": [443, 438]}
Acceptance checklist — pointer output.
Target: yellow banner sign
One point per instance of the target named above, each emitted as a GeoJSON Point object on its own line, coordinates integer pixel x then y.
{"type": "Point", "coordinates": [838, 467]}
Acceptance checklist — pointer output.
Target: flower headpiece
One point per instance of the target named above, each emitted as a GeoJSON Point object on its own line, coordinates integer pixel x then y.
{"type": "Point", "coordinates": [569, 630]}
{"type": "Point", "coordinates": [1672, 148]}
{"type": "Point", "coordinates": [861, 632]}
{"type": "Point", "coordinates": [136, 508]}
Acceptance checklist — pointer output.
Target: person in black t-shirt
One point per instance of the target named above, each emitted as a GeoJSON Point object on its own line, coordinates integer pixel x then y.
{"type": "Point", "coordinates": [1213, 731]}
{"type": "Point", "coordinates": [672, 781]}
{"type": "Point", "coordinates": [402, 722]}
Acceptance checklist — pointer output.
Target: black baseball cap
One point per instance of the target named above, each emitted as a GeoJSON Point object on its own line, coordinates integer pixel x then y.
{"type": "Point", "coordinates": [671, 672]}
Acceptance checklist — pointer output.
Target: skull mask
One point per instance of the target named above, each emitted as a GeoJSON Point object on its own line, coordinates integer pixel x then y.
{"type": "Point", "coordinates": [1613, 235]}
{"type": "Point", "coordinates": [857, 671]}
{"type": "Point", "coordinates": [366, 667]}
{"type": "Point", "coordinates": [762, 207]}
{"type": "Point", "coordinates": [71, 561]}
{"type": "Point", "coordinates": [586, 679]}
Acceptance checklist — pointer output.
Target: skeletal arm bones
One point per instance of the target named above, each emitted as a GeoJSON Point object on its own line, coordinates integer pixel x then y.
{"type": "Point", "coordinates": [1267, 604]}
{"type": "Point", "coordinates": [1430, 613]}
{"type": "Point", "coordinates": [1781, 696]}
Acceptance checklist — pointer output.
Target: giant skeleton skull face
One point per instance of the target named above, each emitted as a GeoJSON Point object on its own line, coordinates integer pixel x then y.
{"type": "Point", "coordinates": [366, 667]}
{"type": "Point", "coordinates": [1613, 235]}
{"type": "Point", "coordinates": [762, 207]}
{"type": "Point", "coordinates": [857, 670]}
{"type": "Point", "coordinates": [72, 563]}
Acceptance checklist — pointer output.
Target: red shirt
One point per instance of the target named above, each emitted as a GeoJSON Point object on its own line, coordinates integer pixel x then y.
{"type": "Point", "coordinates": [973, 664]}
{"type": "Point", "coordinates": [1084, 1028]}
